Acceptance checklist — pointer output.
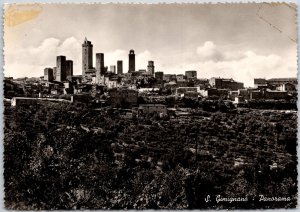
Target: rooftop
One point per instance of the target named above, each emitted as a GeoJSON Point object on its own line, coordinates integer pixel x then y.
{"type": "Point", "coordinates": [283, 79]}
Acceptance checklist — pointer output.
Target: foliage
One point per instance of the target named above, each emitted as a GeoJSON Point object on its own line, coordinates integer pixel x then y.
{"type": "Point", "coordinates": [62, 156]}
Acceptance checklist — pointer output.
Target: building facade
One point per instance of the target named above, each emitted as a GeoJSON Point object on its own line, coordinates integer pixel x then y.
{"type": "Point", "coordinates": [184, 90]}
{"type": "Point", "coordinates": [222, 83]}
{"type": "Point", "coordinates": [260, 82]}
{"type": "Point", "coordinates": [268, 94]}
{"type": "Point", "coordinates": [289, 87]}
{"type": "Point", "coordinates": [210, 92]}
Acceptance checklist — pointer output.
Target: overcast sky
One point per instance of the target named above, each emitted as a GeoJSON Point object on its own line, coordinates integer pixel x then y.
{"type": "Point", "coordinates": [241, 41]}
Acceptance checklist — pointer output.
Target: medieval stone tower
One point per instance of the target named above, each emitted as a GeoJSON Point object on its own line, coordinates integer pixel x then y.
{"type": "Point", "coordinates": [87, 56]}
{"type": "Point", "coordinates": [150, 67]}
{"type": "Point", "coordinates": [131, 61]}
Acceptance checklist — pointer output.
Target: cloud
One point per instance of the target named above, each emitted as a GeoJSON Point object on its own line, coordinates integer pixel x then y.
{"type": "Point", "coordinates": [31, 61]}
{"type": "Point", "coordinates": [242, 66]}
{"type": "Point", "coordinates": [111, 58]}
{"type": "Point", "coordinates": [209, 51]}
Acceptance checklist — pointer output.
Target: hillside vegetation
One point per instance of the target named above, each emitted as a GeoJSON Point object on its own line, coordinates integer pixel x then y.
{"type": "Point", "coordinates": [60, 156]}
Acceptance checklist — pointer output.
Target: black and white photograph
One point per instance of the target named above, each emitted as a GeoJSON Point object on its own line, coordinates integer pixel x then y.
{"type": "Point", "coordinates": [163, 106]}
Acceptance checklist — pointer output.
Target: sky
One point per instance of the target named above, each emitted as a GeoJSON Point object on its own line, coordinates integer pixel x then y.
{"type": "Point", "coordinates": [239, 41]}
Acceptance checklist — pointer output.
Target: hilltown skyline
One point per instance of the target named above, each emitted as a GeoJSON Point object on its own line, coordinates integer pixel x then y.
{"type": "Point", "coordinates": [211, 56]}
{"type": "Point", "coordinates": [125, 61]}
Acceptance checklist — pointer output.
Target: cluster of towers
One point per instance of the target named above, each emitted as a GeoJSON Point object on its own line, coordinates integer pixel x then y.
{"type": "Point", "coordinates": [64, 68]}
{"type": "Point", "coordinates": [62, 71]}
{"type": "Point", "coordinates": [100, 69]}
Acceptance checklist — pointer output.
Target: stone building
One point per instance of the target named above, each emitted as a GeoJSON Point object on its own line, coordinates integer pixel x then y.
{"type": "Point", "coordinates": [222, 83]}
{"type": "Point", "coordinates": [289, 87]}
{"type": "Point", "coordinates": [61, 68]}
{"type": "Point", "coordinates": [87, 56]}
{"type": "Point", "coordinates": [69, 68]}
{"type": "Point", "coordinates": [54, 73]}
{"type": "Point", "coordinates": [119, 67]}
{"type": "Point", "coordinates": [213, 92]}
{"type": "Point", "coordinates": [131, 61]}
{"type": "Point", "coordinates": [100, 63]}
{"type": "Point", "coordinates": [180, 78]}
{"type": "Point", "coordinates": [260, 82]}
{"type": "Point", "coordinates": [169, 77]}
{"type": "Point", "coordinates": [191, 75]}
{"type": "Point", "coordinates": [268, 94]}
{"type": "Point", "coordinates": [48, 74]}
{"type": "Point", "coordinates": [277, 81]}
{"type": "Point", "coordinates": [184, 90]}
{"type": "Point", "coordinates": [159, 75]}
{"type": "Point", "coordinates": [150, 67]}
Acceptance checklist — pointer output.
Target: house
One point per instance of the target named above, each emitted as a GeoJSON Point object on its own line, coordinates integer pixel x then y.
{"type": "Point", "coordinates": [289, 87]}
{"type": "Point", "coordinates": [210, 92]}
{"type": "Point", "coordinates": [222, 83]}
{"type": "Point", "coordinates": [184, 90]}
{"type": "Point", "coordinates": [268, 94]}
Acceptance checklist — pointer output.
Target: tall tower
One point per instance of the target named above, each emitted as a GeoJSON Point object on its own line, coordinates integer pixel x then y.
{"type": "Point", "coordinates": [191, 74]}
{"type": "Point", "coordinates": [100, 63]}
{"type": "Point", "coordinates": [87, 56]}
{"type": "Point", "coordinates": [131, 61]}
{"type": "Point", "coordinates": [48, 74]}
{"type": "Point", "coordinates": [61, 68]}
{"type": "Point", "coordinates": [150, 67]}
{"type": "Point", "coordinates": [69, 67]}
{"type": "Point", "coordinates": [54, 73]}
{"type": "Point", "coordinates": [119, 67]}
